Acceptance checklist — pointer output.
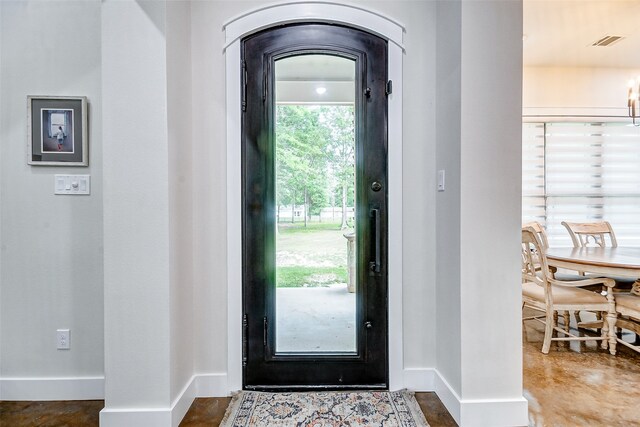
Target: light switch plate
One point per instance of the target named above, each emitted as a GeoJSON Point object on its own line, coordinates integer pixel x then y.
{"type": "Point", "coordinates": [72, 184]}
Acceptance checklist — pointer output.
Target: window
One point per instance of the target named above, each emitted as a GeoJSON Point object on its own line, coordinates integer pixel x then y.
{"type": "Point", "coordinates": [582, 172]}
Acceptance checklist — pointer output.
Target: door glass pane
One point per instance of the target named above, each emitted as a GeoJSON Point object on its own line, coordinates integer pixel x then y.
{"type": "Point", "coordinates": [315, 204]}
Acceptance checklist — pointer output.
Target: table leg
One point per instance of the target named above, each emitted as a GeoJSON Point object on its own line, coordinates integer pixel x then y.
{"type": "Point", "coordinates": [611, 322]}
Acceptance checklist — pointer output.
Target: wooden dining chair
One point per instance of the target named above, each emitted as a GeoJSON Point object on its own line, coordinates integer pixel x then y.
{"type": "Point", "coordinates": [542, 235]}
{"type": "Point", "coordinates": [542, 292]}
{"type": "Point", "coordinates": [584, 234]}
{"type": "Point", "coordinates": [591, 234]}
{"type": "Point", "coordinates": [540, 232]}
{"type": "Point", "coordinates": [628, 308]}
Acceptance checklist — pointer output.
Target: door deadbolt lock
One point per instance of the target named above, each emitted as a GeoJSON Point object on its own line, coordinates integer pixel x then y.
{"type": "Point", "coordinates": [376, 186]}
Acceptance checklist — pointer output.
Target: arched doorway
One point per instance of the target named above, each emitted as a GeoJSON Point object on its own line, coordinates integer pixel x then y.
{"type": "Point", "coordinates": [357, 17]}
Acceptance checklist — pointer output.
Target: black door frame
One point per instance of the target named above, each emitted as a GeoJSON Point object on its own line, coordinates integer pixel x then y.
{"type": "Point", "coordinates": [257, 188]}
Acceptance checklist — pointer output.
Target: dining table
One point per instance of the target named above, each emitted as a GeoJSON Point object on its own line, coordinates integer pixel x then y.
{"type": "Point", "coordinates": [623, 261]}
{"type": "Point", "coordinates": [617, 261]}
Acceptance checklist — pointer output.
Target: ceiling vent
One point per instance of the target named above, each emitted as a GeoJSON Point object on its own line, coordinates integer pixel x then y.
{"type": "Point", "coordinates": [607, 40]}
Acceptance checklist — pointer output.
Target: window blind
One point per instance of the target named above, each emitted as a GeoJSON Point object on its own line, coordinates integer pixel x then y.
{"type": "Point", "coordinates": [591, 172]}
{"type": "Point", "coordinates": [533, 200]}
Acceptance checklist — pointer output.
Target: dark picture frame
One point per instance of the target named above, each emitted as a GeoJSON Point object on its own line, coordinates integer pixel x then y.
{"type": "Point", "coordinates": [57, 131]}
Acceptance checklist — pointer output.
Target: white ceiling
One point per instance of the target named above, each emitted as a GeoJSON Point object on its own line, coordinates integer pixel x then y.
{"type": "Point", "coordinates": [298, 77]}
{"type": "Point", "coordinates": [315, 67]}
{"type": "Point", "coordinates": [556, 33]}
{"type": "Point", "coordinates": [561, 32]}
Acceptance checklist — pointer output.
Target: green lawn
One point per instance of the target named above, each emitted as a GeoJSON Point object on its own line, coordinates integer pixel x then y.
{"type": "Point", "coordinates": [298, 227]}
{"type": "Point", "coordinates": [312, 256]}
{"type": "Point", "coordinates": [296, 277]}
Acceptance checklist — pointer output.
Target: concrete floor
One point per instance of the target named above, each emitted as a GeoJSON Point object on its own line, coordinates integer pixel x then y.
{"type": "Point", "coordinates": [579, 384]}
{"type": "Point", "coordinates": [315, 319]}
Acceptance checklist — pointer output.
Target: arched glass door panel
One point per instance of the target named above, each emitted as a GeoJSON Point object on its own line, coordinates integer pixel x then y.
{"type": "Point", "coordinates": [315, 201]}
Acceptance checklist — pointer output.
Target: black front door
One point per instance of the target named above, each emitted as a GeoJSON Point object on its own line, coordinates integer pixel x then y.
{"type": "Point", "coordinates": [314, 153]}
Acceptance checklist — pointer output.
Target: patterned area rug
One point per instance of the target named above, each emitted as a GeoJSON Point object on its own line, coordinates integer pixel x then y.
{"type": "Point", "coordinates": [324, 409]}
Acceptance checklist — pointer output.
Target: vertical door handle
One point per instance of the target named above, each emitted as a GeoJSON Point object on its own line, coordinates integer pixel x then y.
{"type": "Point", "coordinates": [374, 266]}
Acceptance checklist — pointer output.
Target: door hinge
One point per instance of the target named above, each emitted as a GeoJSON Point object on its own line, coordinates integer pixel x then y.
{"type": "Point", "coordinates": [243, 76]}
{"type": "Point", "coordinates": [389, 89]}
{"type": "Point", "coordinates": [264, 334]}
{"type": "Point", "coordinates": [245, 339]}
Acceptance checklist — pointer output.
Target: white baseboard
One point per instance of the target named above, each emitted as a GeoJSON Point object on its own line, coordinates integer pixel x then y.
{"type": "Point", "coordinates": [157, 417]}
{"type": "Point", "coordinates": [183, 402]}
{"type": "Point", "coordinates": [136, 417]}
{"type": "Point", "coordinates": [212, 385]}
{"type": "Point", "coordinates": [71, 388]}
{"type": "Point", "coordinates": [448, 396]}
{"type": "Point", "coordinates": [419, 379]}
{"type": "Point", "coordinates": [467, 413]}
{"type": "Point", "coordinates": [201, 385]}
{"type": "Point", "coordinates": [495, 413]}
{"type": "Point", "coordinates": [481, 412]}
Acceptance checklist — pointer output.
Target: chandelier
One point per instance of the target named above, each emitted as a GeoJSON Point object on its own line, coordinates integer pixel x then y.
{"type": "Point", "coordinates": [633, 101]}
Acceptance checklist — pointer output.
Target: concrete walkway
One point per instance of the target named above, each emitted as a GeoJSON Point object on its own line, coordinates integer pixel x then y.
{"type": "Point", "coordinates": [315, 319]}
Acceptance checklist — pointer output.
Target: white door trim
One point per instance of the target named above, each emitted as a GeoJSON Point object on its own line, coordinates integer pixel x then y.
{"type": "Point", "coordinates": [316, 11]}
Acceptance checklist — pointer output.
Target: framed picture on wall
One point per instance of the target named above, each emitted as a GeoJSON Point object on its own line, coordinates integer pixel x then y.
{"type": "Point", "coordinates": [57, 131]}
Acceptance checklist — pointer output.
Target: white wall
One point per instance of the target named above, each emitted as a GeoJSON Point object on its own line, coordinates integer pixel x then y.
{"type": "Point", "coordinates": [180, 193]}
{"type": "Point", "coordinates": [148, 213]}
{"type": "Point", "coordinates": [576, 91]}
{"type": "Point", "coordinates": [51, 257]}
{"type": "Point", "coordinates": [1, 180]}
{"type": "Point", "coordinates": [490, 199]}
{"type": "Point", "coordinates": [418, 165]}
{"type": "Point", "coordinates": [479, 353]}
{"type": "Point", "coordinates": [136, 206]}
{"type": "Point", "coordinates": [448, 119]}
{"type": "Point", "coordinates": [209, 169]}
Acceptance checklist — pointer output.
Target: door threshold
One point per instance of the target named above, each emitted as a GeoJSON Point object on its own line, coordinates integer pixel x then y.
{"type": "Point", "coordinates": [287, 388]}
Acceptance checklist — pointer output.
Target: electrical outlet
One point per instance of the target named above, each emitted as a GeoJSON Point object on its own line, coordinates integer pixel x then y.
{"type": "Point", "coordinates": [63, 341]}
